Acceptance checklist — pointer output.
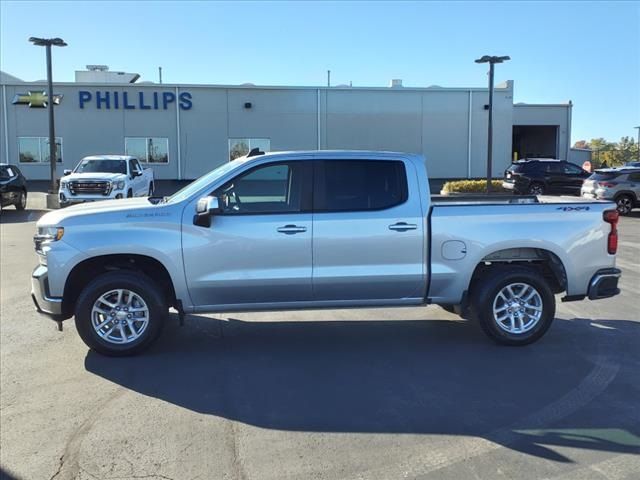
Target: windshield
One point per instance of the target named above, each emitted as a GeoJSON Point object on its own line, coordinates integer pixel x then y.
{"type": "Point", "coordinates": [102, 166]}
{"type": "Point", "coordinates": [6, 172]}
{"type": "Point", "coordinates": [203, 181]}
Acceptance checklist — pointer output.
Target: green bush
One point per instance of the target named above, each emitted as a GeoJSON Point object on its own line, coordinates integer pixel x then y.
{"type": "Point", "coordinates": [471, 186]}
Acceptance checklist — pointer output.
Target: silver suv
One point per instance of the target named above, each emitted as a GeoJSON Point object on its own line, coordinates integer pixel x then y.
{"type": "Point", "coordinates": [622, 185]}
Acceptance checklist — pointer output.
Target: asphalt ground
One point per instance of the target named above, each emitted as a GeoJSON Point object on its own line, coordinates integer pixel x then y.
{"type": "Point", "coordinates": [340, 394]}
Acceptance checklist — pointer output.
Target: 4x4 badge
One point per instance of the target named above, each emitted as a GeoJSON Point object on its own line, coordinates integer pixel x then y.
{"type": "Point", "coordinates": [573, 209]}
{"type": "Point", "coordinates": [36, 99]}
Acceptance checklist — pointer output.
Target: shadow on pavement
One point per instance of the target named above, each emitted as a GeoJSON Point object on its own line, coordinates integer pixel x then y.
{"type": "Point", "coordinates": [401, 377]}
{"type": "Point", "coordinates": [10, 215]}
{"type": "Point", "coordinates": [5, 475]}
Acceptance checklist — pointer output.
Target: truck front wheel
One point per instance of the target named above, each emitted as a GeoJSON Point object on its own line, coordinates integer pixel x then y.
{"type": "Point", "coordinates": [514, 305]}
{"type": "Point", "coordinates": [120, 313]}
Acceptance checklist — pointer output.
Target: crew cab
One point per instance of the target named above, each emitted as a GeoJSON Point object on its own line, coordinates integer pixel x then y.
{"type": "Point", "coordinates": [319, 229]}
{"type": "Point", "coordinates": [103, 177]}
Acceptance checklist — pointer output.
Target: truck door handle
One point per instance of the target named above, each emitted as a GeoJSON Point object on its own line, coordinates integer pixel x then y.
{"type": "Point", "coordinates": [292, 229]}
{"type": "Point", "coordinates": [403, 226]}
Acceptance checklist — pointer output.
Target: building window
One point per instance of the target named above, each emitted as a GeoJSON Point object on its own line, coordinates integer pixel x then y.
{"type": "Point", "coordinates": [36, 149]}
{"type": "Point", "coordinates": [239, 147]}
{"type": "Point", "coordinates": [148, 149]}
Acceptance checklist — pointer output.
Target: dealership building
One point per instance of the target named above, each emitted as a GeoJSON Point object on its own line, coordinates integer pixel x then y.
{"type": "Point", "coordinates": [183, 131]}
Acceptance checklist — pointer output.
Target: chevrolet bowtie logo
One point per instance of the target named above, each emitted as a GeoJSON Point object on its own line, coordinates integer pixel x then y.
{"type": "Point", "coordinates": [36, 99]}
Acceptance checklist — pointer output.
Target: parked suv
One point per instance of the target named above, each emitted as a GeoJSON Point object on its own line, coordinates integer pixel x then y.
{"type": "Point", "coordinates": [543, 175]}
{"type": "Point", "coordinates": [622, 185]}
{"type": "Point", "coordinates": [13, 187]}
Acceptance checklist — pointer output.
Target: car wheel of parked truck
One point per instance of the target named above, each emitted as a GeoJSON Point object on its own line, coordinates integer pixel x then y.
{"type": "Point", "coordinates": [514, 305]}
{"type": "Point", "coordinates": [120, 313]}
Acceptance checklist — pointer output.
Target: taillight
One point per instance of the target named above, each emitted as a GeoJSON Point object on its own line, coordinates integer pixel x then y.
{"type": "Point", "coordinates": [611, 217]}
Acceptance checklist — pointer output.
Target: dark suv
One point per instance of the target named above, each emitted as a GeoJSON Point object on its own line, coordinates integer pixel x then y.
{"type": "Point", "coordinates": [542, 176]}
{"type": "Point", "coordinates": [13, 187]}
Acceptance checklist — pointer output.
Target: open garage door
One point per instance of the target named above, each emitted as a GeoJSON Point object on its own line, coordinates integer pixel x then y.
{"type": "Point", "coordinates": [535, 141]}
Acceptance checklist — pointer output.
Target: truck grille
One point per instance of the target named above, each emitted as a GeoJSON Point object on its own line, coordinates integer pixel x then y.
{"type": "Point", "coordinates": [93, 187]}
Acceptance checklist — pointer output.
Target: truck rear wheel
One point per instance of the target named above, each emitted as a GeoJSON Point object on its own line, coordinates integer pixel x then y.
{"type": "Point", "coordinates": [120, 313]}
{"type": "Point", "coordinates": [514, 305]}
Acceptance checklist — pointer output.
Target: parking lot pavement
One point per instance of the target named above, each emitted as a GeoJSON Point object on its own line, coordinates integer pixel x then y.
{"type": "Point", "coordinates": [337, 394]}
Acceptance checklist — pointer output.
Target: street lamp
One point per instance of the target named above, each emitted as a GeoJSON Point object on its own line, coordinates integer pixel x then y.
{"type": "Point", "coordinates": [491, 60]}
{"type": "Point", "coordinates": [638, 144]}
{"type": "Point", "coordinates": [48, 42]}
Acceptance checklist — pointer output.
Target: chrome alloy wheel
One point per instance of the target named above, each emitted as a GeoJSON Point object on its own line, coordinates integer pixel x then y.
{"type": "Point", "coordinates": [120, 316]}
{"type": "Point", "coordinates": [517, 308]}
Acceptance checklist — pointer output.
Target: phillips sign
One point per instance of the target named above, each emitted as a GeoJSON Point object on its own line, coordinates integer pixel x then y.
{"type": "Point", "coordinates": [133, 100]}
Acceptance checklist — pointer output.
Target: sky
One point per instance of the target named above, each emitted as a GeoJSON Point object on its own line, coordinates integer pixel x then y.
{"type": "Point", "coordinates": [586, 52]}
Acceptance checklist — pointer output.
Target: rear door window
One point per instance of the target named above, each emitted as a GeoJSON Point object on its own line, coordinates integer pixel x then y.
{"type": "Point", "coordinates": [553, 168]}
{"type": "Point", "coordinates": [359, 185]}
{"type": "Point", "coordinates": [571, 169]}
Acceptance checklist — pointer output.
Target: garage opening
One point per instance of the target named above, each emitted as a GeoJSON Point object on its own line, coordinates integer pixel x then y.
{"type": "Point", "coordinates": [535, 141]}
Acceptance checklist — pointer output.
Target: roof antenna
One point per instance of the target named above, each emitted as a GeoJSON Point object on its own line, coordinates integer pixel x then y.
{"type": "Point", "coordinates": [254, 152]}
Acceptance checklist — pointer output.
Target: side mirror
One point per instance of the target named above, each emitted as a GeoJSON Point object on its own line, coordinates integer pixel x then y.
{"type": "Point", "coordinates": [136, 173]}
{"type": "Point", "coordinates": [205, 209]}
{"type": "Point", "coordinates": [66, 172]}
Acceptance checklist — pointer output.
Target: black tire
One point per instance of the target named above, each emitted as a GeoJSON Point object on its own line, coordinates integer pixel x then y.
{"type": "Point", "coordinates": [21, 204]}
{"type": "Point", "coordinates": [488, 288]}
{"type": "Point", "coordinates": [151, 189]}
{"type": "Point", "coordinates": [137, 282]}
{"type": "Point", "coordinates": [129, 193]}
{"type": "Point", "coordinates": [624, 204]}
{"type": "Point", "coordinates": [536, 188]}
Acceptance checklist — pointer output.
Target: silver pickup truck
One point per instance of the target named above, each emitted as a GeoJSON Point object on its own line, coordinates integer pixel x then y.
{"type": "Point", "coordinates": [320, 229]}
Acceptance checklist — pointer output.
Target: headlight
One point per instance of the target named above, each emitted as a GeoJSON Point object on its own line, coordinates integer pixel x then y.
{"type": "Point", "coordinates": [47, 235]}
{"type": "Point", "coordinates": [50, 233]}
{"type": "Point", "coordinates": [119, 185]}
{"type": "Point", "coordinates": [63, 184]}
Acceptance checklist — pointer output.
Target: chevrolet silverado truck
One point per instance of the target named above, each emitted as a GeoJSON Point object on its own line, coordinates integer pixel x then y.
{"type": "Point", "coordinates": [321, 229]}
{"type": "Point", "coordinates": [104, 177]}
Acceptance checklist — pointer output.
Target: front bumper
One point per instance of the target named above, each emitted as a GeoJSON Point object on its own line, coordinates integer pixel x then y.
{"type": "Point", "coordinates": [44, 303]}
{"type": "Point", "coordinates": [67, 199]}
{"type": "Point", "coordinates": [604, 284]}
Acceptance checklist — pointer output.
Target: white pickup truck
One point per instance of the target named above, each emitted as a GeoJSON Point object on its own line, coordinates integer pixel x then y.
{"type": "Point", "coordinates": [105, 177]}
{"type": "Point", "coordinates": [320, 229]}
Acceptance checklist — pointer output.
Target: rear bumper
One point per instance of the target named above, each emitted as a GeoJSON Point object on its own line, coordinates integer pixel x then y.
{"type": "Point", "coordinates": [44, 303]}
{"type": "Point", "coordinates": [604, 284]}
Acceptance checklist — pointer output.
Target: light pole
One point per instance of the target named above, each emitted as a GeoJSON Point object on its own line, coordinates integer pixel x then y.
{"type": "Point", "coordinates": [638, 144]}
{"type": "Point", "coordinates": [491, 60]}
{"type": "Point", "coordinates": [48, 42]}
